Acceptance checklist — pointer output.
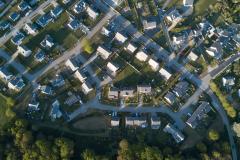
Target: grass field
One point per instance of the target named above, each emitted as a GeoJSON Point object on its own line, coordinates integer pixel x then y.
{"type": "Point", "coordinates": [4, 103]}
{"type": "Point", "coordinates": [92, 123]}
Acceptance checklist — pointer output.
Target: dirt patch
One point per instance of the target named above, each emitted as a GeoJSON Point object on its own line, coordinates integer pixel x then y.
{"type": "Point", "coordinates": [92, 123]}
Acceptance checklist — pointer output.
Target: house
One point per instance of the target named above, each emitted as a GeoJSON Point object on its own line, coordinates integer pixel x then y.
{"type": "Point", "coordinates": [112, 68]}
{"type": "Point", "coordinates": [4, 25]}
{"type": "Point", "coordinates": [55, 111]}
{"type": "Point", "coordinates": [141, 56]}
{"type": "Point", "coordinates": [192, 56]}
{"type": "Point", "coordinates": [79, 7]}
{"type": "Point", "coordinates": [188, 3]}
{"type": "Point", "coordinates": [105, 31]}
{"type": "Point", "coordinates": [55, 13]}
{"type": "Point", "coordinates": [14, 16]}
{"type": "Point", "coordinates": [170, 98]}
{"type": "Point", "coordinates": [72, 64]}
{"type": "Point", "coordinates": [66, 1]}
{"type": "Point", "coordinates": [44, 20]}
{"type": "Point", "coordinates": [176, 134]}
{"type": "Point", "coordinates": [149, 25]}
{"type": "Point", "coordinates": [215, 50]}
{"type": "Point", "coordinates": [46, 89]}
{"type": "Point", "coordinates": [16, 83]}
{"type": "Point", "coordinates": [74, 24]}
{"type": "Point", "coordinates": [136, 121]}
{"type": "Point", "coordinates": [86, 88]}
{"type": "Point", "coordinates": [155, 122]}
{"type": "Point", "coordinates": [120, 37]}
{"type": "Point", "coordinates": [40, 55]}
{"type": "Point", "coordinates": [115, 121]}
{"type": "Point", "coordinates": [80, 75]}
{"type": "Point", "coordinates": [181, 88]}
{"type": "Point", "coordinates": [165, 74]}
{"type": "Point", "coordinates": [199, 114]}
{"type": "Point", "coordinates": [84, 28]}
{"type": "Point", "coordinates": [72, 99]}
{"type": "Point", "coordinates": [144, 89]}
{"type": "Point", "coordinates": [103, 52]}
{"type": "Point", "coordinates": [131, 48]}
{"type": "Point", "coordinates": [173, 15]}
{"type": "Point", "coordinates": [18, 38]}
{"type": "Point", "coordinates": [228, 81]}
{"type": "Point", "coordinates": [127, 93]}
{"type": "Point", "coordinates": [92, 13]}
{"type": "Point", "coordinates": [47, 42]}
{"type": "Point", "coordinates": [113, 93]}
{"type": "Point", "coordinates": [23, 6]}
{"type": "Point", "coordinates": [33, 2]}
{"type": "Point", "coordinates": [207, 29]}
{"type": "Point", "coordinates": [153, 64]}
{"type": "Point", "coordinates": [23, 50]}
{"type": "Point", "coordinates": [34, 105]}
{"type": "Point", "coordinates": [4, 74]}
{"type": "Point", "coordinates": [30, 28]}
{"type": "Point", "coordinates": [58, 81]}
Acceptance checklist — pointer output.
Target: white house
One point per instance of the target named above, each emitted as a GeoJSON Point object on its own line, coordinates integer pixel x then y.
{"type": "Point", "coordinates": [23, 50]}
{"type": "Point", "coordinates": [155, 122]}
{"type": "Point", "coordinates": [93, 14]}
{"type": "Point", "coordinates": [80, 76]}
{"type": "Point", "coordinates": [131, 48]}
{"type": "Point", "coordinates": [115, 121]}
{"type": "Point", "coordinates": [165, 74]}
{"type": "Point", "coordinates": [188, 3]}
{"type": "Point", "coordinates": [127, 93]}
{"type": "Point", "coordinates": [192, 56]}
{"type": "Point", "coordinates": [103, 52]}
{"type": "Point", "coordinates": [170, 98]}
{"type": "Point", "coordinates": [174, 15]}
{"type": "Point", "coordinates": [86, 88]}
{"type": "Point", "coordinates": [149, 25]}
{"type": "Point", "coordinates": [154, 65]}
{"type": "Point", "coordinates": [199, 114]}
{"type": "Point", "coordinates": [176, 134]}
{"type": "Point", "coordinates": [55, 111]}
{"type": "Point", "coordinates": [16, 84]}
{"type": "Point", "coordinates": [120, 38]}
{"type": "Point", "coordinates": [215, 50]}
{"type": "Point", "coordinates": [47, 42]}
{"type": "Point", "coordinates": [71, 64]}
{"type": "Point", "coordinates": [141, 56]}
{"type": "Point", "coordinates": [112, 68]}
{"type": "Point", "coordinates": [4, 74]}
{"type": "Point", "coordinates": [30, 28]}
{"type": "Point", "coordinates": [228, 81]}
{"type": "Point", "coordinates": [144, 89]}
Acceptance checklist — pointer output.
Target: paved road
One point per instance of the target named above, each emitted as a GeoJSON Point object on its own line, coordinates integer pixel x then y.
{"type": "Point", "coordinates": [23, 21]}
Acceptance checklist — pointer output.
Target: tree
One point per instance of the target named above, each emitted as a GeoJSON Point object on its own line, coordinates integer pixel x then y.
{"type": "Point", "coordinates": [201, 147]}
{"type": "Point", "coordinates": [9, 113]}
{"type": "Point", "coordinates": [213, 135]}
{"type": "Point", "coordinates": [87, 46]}
{"type": "Point", "coordinates": [124, 153]}
{"type": "Point", "coordinates": [88, 155]}
{"type": "Point", "coordinates": [65, 146]}
{"type": "Point", "coordinates": [216, 154]}
{"type": "Point", "coordinates": [151, 153]}
{"type": "Point", "coordinates": [236, 129]}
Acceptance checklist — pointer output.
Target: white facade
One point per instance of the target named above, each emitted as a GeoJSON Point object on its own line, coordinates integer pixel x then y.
{"type": "Point", "coordinates": [71, 64]}
{"type": "Point", "coordinates": [154, 65]}
{"type": "Point", "coordinates": [163, 72]}
{"type": "Point", "coordinates": [119, 37]}
{"type": "Point", "coordinates": [103, 52]}
{"type": "Point", "coordinates": [23, 50]}
{"type": "Point", "coordinates": [141, 56]}
{"type": "Point", "coordinates": [86, 88]}
{"type": "Point", "coordinates": [192, 56]}
{"type": "Point", "coordinates": [131, 48]}
{"type": "Point", "coordinates": [80, 76]}
{"type": "Point", "coordinates": [93, 14]}
{"type": "Point", "coordinates": [111, 67]}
